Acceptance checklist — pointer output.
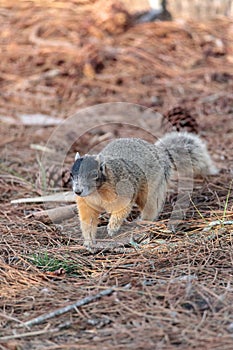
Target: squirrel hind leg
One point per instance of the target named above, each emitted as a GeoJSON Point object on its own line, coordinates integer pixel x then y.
{"type": "Point", "coordinates": [141, 199]}
{"type": "Point", "coordinates": [154, 203]}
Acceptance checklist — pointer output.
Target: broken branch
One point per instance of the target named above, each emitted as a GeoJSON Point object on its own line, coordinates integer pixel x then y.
{"type": "Point", "coordinates": [60, 311]}
{"type": "Point", "coordinates": [56, 215]}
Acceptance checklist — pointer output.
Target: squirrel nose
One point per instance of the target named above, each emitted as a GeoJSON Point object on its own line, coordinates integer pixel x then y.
{"type": "Point", "coordinates": [78, 192]}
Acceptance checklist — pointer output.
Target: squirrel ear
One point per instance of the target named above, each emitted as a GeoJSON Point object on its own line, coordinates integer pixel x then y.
{"type": "Point", "coordinates": [103, 168]}
{"type": "Point", "coordinates": [77, 156]}
{"type": "Point", "coordinates": [102, 163]}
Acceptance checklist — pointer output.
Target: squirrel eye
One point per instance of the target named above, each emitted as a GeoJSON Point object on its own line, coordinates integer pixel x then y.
{"type": "Point", "coordinates": [95, 175]}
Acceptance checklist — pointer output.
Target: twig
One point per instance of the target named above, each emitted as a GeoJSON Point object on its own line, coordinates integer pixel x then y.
{"type": "Point", "coordinates": [60, 311]}
{"type": "Point", "coordinates": [32, 334]}
{"type": "Point", "coordinates": [56, 197]}
{"type": "Point", "coordinates": [28, 334]}
{"type": "Point", "coordinates": [216, 223]}
{"type": "Point", "coordinates": [42, 148]}
{"type": "Point", "coordinates": [10, 318]}
{"type": "Point", "coordinates": [35, 39]}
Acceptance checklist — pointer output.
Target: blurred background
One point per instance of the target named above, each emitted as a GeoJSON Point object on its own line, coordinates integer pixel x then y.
{"type": "Point", "coordinates": [59, 56]}
{"type": "Point", "coordinates": [195, 9]}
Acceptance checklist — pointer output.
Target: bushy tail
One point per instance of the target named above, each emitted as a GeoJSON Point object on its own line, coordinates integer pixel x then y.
{"type": "Point", "coordinates": [187, 150]}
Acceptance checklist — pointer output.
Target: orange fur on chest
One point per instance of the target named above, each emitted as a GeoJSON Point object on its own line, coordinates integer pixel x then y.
{"type": "Point", "coordinates": [103, 200]}
{"type": "Point", "coordinates": [86, 213]}
{"type": "Point", "coordinates": [107, 194]}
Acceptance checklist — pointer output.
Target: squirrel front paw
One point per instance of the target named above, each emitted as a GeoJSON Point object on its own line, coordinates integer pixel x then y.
{"type": "Point", "coordinates": [112, 230]}
{"type": "Point", "coordinates": [116, 220]}
{"type": "Point", "coordinates": [89, 244]}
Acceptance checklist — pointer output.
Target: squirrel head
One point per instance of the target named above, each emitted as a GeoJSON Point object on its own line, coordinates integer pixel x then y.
{"type": "Point", "coordinates": [88, 173]}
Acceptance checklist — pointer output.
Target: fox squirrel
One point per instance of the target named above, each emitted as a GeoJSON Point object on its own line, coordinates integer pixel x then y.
{"type": "Point", "coordinates": [131, 170]}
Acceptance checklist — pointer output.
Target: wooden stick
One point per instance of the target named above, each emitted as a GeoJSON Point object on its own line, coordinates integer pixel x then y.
{"type": "Point", "coordinates": [62, 310]}
{"type": "Point", "coordinates": [56, 215]}
{"type": "Point", "coordinates": [56, 197]}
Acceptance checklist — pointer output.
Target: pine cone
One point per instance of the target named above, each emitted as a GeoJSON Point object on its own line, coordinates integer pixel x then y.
{"type": "Point", "coordinates": [180, 119]}
{"type": "Point", "coordinates": [53, 177]}
{"type": "Point", "coordinates": [113, 18]}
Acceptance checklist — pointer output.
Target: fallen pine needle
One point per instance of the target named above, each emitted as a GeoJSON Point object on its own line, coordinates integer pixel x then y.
{"type": "Point", "coordinates": [27, 334]}
{"type": "Point", "coordinates": [32, 334]}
